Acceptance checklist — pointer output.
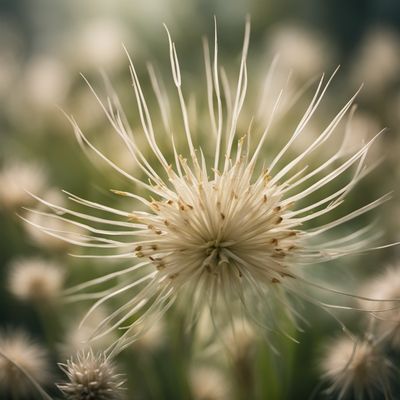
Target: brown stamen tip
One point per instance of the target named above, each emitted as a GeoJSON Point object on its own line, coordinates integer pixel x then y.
{"type": "Point", "coordinates": [275, 280]}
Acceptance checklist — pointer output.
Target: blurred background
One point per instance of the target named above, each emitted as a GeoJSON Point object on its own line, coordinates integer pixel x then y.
{"type": "Point", "coordinates": [46, 45]}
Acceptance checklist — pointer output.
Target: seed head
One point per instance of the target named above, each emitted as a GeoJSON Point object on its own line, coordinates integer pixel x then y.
{"type": "Point", "coordinates": [208, 383]}
{"type": "Point", "coordinates": [23, 352]}
{"type": "Point", "coordinates": [91, 377]}
{"type": "Point", "coordinates": [386, 318]}
{"type": "Point", "coordinates": [35, 280]}
{"type": "Point", "coordinates": [356, 368]}
{"type": "Point", "coordinates": [18, 178]}
{"type": "Point", "coordinates": [217, 230]}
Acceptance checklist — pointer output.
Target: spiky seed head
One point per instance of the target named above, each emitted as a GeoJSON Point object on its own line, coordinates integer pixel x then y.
{"type": "Point", "coordinates": [35, 279]}
{"type": "Point", "coordinates": [226, 226]}
{"type": "Point", "coordinates": [91, 377]}
{"type": "Point", "coordinates": [23, 352]}
{"type": "Point", "coordinates": [356, 368]}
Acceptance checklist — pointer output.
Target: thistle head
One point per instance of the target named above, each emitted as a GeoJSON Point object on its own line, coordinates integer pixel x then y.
{"type": "Point", "coordinates": [91, 376]}
{"type": "Point", "coordinates": [208, 383]}
{"type": "Point", "coordinates": [386, 317]}
{"type": "Point", "coordinates": [35, 280]}
{"type": "Point", "coordinates": [21, 362]}
{"type": "Point", "coordinates": [16, 180]}
{"type": "Point", "coordinates": [356, 368]}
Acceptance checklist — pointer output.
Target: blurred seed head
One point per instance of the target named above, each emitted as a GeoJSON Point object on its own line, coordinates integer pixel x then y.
{"type": "Point", "coordinates": [91, 376]}
{"type": "Point", "coordinates": [239, 338]}
{"type": "Point", "coordinates": [208, 383]}
{"type": "Point", "coordinates": [356, 368]}
{"type": "Point", "coordinates": [86, 48]}
{"type": "Point", "coordinates": [31, 357]}
{"type": "Point", "coordinates": [385, 287]}
{"type": "Point", "coordinates": [152, 338]}
{"type": "Point", "coordinates": [46, 82]}
{"type": "Point", "coordinates": [77, 338]}
{"type": "Point", "coordinates": [378, 62]}
{"type": "Point", "coordinates": [35, 280]}
{"type": "Point", "coordinates": [18, 178]}
{"type": "Point", "coordinates": [303, 51]}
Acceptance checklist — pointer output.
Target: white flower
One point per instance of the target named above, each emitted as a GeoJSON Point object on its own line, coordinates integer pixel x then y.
{"type": "Point", "coordinates": [225, 231]}
{"type": "Point", "coordinates": [16, 180]}
{"type": "Point", "coordinates": [35, 280]}
{"type": "Point", "coordinates": [91, 376]}
{"type": "Point", "coordinates": [21, 352]}
{"type": "Point", "coordinates": [77, 338]}
{"type": "Point", "coordinates": [208, 383]}
{"type": "Point", "coordinates": [378, 63]}
{"type": "Point", "coordinates": [356, 367]}
{"type": "Point", "coordinates": [303, 51]}
{"type": "Point", "coordinates": [386, 314]}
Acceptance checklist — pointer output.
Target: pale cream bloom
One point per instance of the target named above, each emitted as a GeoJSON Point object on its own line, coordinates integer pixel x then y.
{"type": "Point", "coordinates": [208, 383]}
{"type": "Point", "coordinates": [17, 178]}
{"type": "Point", "coordinates": [152, 338]}
{"type": "Point", "coordinates": [356, 367]}
{"type": "Point", "coordinates": [46, 82]}
{"type": "Point", "coordinates": [385, 314]}
{"type": "Point", "coordinates": [91, 376]}
{"type": "Point", "coordinates": [35, 279]}
{"type": "Point", "coordinates": [378, 64]}
{"type": "Point", "coordinates": [239, 338]}
{"type": "Point", "coordinates": [305, 52]}
{"type": "Point", "coordinates": [77, 338]}
{"type": "Point", "coordinates": [226, 228]}
{"type": "Point", "coordinates": [21, 352]}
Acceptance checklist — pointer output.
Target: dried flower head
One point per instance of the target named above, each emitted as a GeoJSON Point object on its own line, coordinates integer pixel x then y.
{"type": "Point", "coordinates": [91, 376]}
{"type": "Point", "coordinates": [225, 229]}
{"type": "Point", "coordinates": [239, 339]}
{"type": "Point", "coordinates": [16, 180]}
{"type": "Point", "coordinates": [35, 279]}
{"type": "Point", "coordinates": [357, 368]}
{"type": "Point", "coordinates": [22, 353]}
{"type": "Point", "coordinates": [386, 315]}
{"type": "Point", "coordinates": [208, 383]}
{"type": "Point", "coordinates": [77, 338]}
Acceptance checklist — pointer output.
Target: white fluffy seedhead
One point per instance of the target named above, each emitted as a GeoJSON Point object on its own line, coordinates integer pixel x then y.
{"type": "Point", "coordinates": [16, 180]}
{"type": "Point", "coordinates": [91, 376]}
{"type": "Point", "coordinates": [208, 383]}
{"type": "Point", "coordinates": [357, 368]}
{"type": "Point", "coordinates": [35, 280]}
{"type": "Point", "coordinates": [22, 362]}
{"type": "Point", "coordinates": [227, 230]}
{"type": "Point", "coordinates": [385, 317]}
